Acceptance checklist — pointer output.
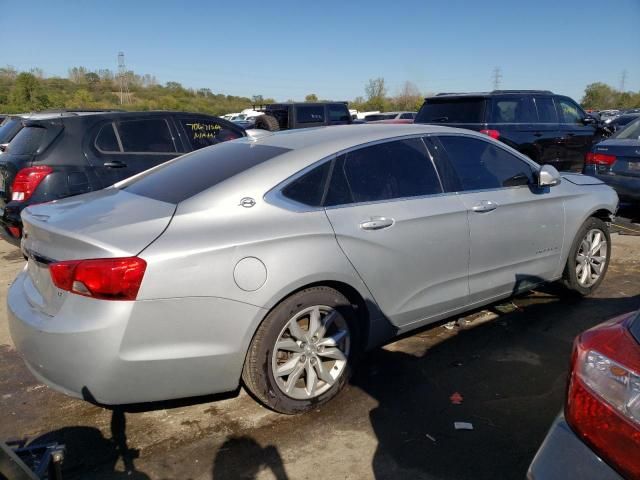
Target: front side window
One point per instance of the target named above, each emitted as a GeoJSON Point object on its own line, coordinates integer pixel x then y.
{"type": "Point", "coordinates": [546, 110]}
{"type": "Point", "coordinates": [398, 169]}
{"type": "Point", "coordinates": [310, 114]}
{"type": "Point", "coordinates": [338, 113]}
{"type": "Point", "coordinates": [204, 132]}
{"type": "Point", "coordinates": [146, 136]}
{"type": "Point", "coordinates": [480, 165]}
{"type": "Point", "coordinates": [569, 111]}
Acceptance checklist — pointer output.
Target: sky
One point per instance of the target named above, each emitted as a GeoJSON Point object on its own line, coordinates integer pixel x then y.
{"type": "Point", "coordinates": [288, 49]}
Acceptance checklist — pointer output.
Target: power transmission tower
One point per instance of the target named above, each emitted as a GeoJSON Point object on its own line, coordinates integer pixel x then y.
{"type": "Point", "coordinates": [497, 78]}
{"type": "Point", "coordinates": [623, 80]}
{"type": "Point", "coordinates": [123, 78]}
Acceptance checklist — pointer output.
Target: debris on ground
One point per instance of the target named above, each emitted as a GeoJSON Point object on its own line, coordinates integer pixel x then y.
{"type": "Point", "coordinates": [430, 438]}
{"type": "Point", "coordinates": [463, 426]}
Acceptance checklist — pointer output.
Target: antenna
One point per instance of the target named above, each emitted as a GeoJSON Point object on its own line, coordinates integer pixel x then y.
{"type": "Point", "coordinates": [123, 78]}
{"type": "Point", "coordinates": [497, 78]}
{"type": "Point", "coordinates": [623, 79]}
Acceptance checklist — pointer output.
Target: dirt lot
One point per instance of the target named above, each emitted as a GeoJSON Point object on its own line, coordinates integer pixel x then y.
{"type": "Point", "coordinates": [395, 419]}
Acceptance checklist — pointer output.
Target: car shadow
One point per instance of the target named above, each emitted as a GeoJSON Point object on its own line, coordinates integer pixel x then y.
{"type": "Point", "coordinates": [506, 377]}
{"type": "Point", "coordinates": [243, 458]}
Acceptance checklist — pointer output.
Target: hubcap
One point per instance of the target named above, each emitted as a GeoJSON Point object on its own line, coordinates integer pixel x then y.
{"type": "Point", "coordinates": [591, 257]}
{"type": "Point", "coordinates": [311, 352]}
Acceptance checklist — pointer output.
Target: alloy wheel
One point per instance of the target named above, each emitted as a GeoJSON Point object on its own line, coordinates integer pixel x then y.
{"type": "Point", "coordinates": [591, 257]}
{"type": "Point", "coordinates": [311, 352]}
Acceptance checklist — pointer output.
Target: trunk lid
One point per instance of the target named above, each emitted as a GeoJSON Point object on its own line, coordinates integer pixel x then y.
{"type": "Point", "coordinates": [103, 224]}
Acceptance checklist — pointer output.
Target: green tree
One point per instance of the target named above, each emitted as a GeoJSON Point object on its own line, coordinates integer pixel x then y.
{"type": "Point", "coordinates": [25, 91]}
{"type": "Point", "coordinates": [376, 92]}
{"type": "Point", "coordinates": [312, 97]}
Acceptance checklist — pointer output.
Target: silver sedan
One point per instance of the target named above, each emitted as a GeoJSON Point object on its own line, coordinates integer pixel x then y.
{"type": "Point", "coordinates": [275, 260]}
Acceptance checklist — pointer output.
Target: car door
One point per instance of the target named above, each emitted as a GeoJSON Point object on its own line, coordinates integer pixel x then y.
{"type": "Point", "coordinates": [546, 132]}
{"type": "Point", "coordinates": [516, 229]}
{"type": "Point", "coordinates": [408, 241]}
{"type": "Point", "coordinates": [577, 137]}
{"type": "Point", "coordinates": [128, 146]}
{"type": "Point", "coordinates": [201, 131]}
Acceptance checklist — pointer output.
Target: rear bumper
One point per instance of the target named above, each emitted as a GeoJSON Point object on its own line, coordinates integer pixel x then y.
{"type": "Point", "coordinates": [563, 455]}
{"type": "Point", "coordinates": [130, 352]}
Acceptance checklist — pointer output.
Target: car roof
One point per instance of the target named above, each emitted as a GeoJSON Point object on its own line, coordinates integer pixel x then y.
{"type": "Point", "coordinates": [331, 139]}
{"type": "Point", "coordinates": [492, 93]}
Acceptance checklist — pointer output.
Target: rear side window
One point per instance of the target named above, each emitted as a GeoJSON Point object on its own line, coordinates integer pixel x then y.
{"type": "Point", "coordinates": [310, 114]}
{"type": "Point", "coordinates": [193, 173]}
{"type": "Point", "coordinates": [106, 140]}
{"type": "Point", "coordinates": [452, 110]}
{"type": "Point", "coordinates": [513, 110]}
{"type": "Point", "coordinates": [480, 165]}
{"type": "Point", "coordinates": [309, 188]}
{"type": "Point", "coordinates": [203, 132]}
{"type": "Point", "coordinates": [338, 113]}
{"type": "Point", "coordinates": [27, 141]}
{"type": "Point", "coordinates": [546, 110]}
{"type": "Point", "coordinates": [398, 169]}
{"type": "Point", "coordinates": [146, 136]}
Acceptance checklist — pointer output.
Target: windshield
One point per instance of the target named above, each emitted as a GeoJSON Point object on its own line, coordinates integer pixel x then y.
{"type": "Point", "coordinates": [452, 110]}
{"type": "Point", "coordinates": [631, 131]}
{"type": "Point", "coordinates": [186, 176]}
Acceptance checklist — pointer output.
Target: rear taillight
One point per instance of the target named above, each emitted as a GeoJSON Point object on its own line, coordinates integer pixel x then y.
{"type": "Point", "coordinates": [592, 158]}
{"type": "Point", "coordinates": [492, 133]}
{"type": "Point", "coordinates": [105, 278]}
{"type": "Point", "coordinates": [15, 232]}
{"type": "Point", "coordinates": [26, 182]}
{"type": "Point", "coordinates": [603, 400]}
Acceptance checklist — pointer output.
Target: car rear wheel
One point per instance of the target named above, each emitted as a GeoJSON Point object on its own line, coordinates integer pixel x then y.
{"type": "Point", "coordinates": [589, 257]}
{"type": "Point", "coordinates": [301, 355]}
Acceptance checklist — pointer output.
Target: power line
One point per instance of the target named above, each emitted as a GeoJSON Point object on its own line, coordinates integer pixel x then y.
{"type": "Point", "coordinates": [623, 79]}
{"type": "Point", "coordinates": [123, 77]}
{"type": "Point", "coordinates": [497, 78]}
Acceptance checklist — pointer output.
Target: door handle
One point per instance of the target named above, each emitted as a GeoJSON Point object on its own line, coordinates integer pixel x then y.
{"type": "Point", "coordinates": [537, 134]}
{"type": "Point", "coordinates": [115, 164]}
{"type": "Point", "coordinates": [484, 206]}
{"type": "Point", "coordinates": [376, 223]}
{"type": "Point", "coordinates": [571, 134]}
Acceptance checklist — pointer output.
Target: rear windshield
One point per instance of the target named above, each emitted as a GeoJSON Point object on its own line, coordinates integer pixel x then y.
{"type": "Point", "coordinates": [452, 110]}
{"type": "Point", "coordinates": [27, 141]}
{"type": "Point", "coordinates": [631, 131]}
{"type": "Point", "coordinates": [191, 174]}
{"type": "Point", "coordinates": [8, 129]}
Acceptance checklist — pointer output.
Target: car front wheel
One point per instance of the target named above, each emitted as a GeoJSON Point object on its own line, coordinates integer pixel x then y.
{"type": "Point", "coordinates": [301, 355]}
{"type": "Point", "coordinates": [588, 258]}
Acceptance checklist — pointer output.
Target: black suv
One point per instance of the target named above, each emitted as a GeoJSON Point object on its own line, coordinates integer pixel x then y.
{"type": "Point", "coordinates": [70, 153]}
{"type": "Point", "coordinates": [284, 116]}
{"type": "Point", "coordinates": [548, 128]}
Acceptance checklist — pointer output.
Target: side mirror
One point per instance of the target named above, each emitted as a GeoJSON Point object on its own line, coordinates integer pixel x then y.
{"type": "Point", "coordinates": [590, 120]}
{"type": "Point", "coordinates": [548, 176]}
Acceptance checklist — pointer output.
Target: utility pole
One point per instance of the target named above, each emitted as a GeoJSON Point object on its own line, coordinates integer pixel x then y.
{"type": "Point", "coordinates": [497, 78]}
{"type": "Point", "coordinates": [125, 95]}
{"type": "Point", "coordinates": [623, 79]}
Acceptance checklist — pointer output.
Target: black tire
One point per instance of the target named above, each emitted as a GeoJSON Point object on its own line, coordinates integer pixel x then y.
{"type": "Point", "coordinates": [258, 375]}
{"type": "Point", "coordinates": [267, 122]}
{"type": "Point", "coordinates": [570, 277]}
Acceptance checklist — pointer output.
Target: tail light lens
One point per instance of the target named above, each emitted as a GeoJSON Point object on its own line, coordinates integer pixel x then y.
{"type": "Point", "coordinates": [26, 182]}
{"type": "Point", "coordinates": [105, 278]}
{"type": "Point", "coordinates": [492, 133]}
{"type": "Point", "coordinates": [593, 158]}
{"type": "Point", "coordinates": [603, 401]}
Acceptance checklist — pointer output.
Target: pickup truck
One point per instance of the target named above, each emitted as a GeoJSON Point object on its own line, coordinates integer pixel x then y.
{"type": "Point", "coordinates": [286, 116]}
